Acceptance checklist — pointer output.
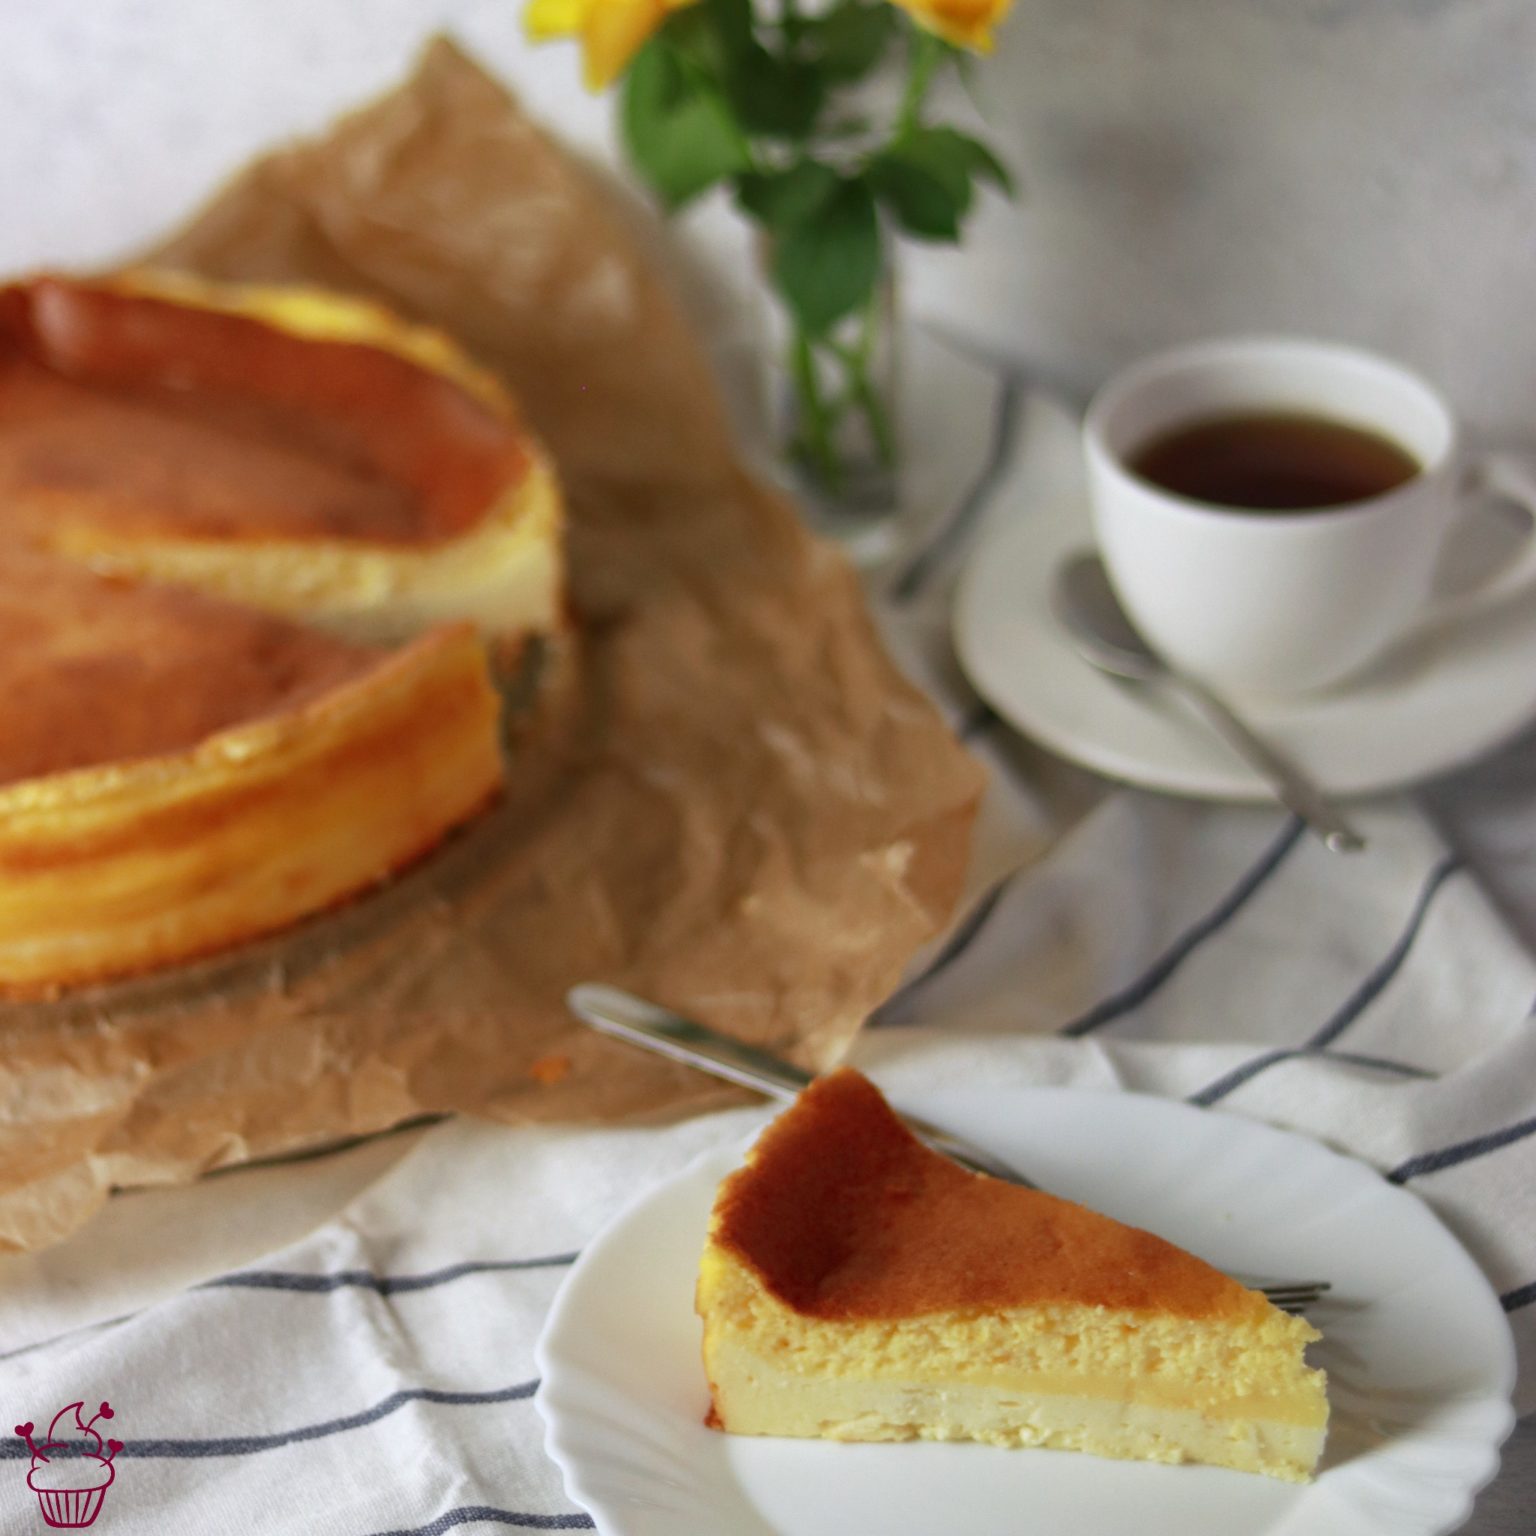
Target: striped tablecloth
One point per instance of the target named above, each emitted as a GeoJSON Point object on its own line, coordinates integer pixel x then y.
{"type": "Point", "coordinates": [345, 1347]}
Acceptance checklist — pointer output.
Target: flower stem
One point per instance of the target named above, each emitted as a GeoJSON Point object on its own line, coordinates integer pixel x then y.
{"type": "Point", "coordinates": [926, 56]}
{"type": "Point", "coordinates": [868, 396]}
{"type": "Point", "coordinates": [817, 425]}
{"type": "Point", "coordinates": [861, 390]}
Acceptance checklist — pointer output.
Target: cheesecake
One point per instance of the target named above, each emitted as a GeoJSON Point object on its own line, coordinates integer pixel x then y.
{"type": "Point", "coordinates": [857, 1286]}
{"type": "Point", "coordinates": [263, 554]}
{"type": "Point", "coordinates": [179, 774]}
{"type": "Point", "coordinates": [309, 454]}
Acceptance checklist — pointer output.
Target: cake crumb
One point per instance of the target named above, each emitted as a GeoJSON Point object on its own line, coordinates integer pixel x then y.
{"type": "Point", "coordinates": [549, 1070]}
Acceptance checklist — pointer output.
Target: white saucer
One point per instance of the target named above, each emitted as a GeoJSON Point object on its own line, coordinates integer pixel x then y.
{"type": "Point", "coordinates": [1415, 1343]}
{"type": "Point", "coordinates": [1438, 702]}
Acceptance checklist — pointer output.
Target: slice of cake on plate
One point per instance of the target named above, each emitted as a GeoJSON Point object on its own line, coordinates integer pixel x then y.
{"type": "Point", "coordinates": [857, 1286]}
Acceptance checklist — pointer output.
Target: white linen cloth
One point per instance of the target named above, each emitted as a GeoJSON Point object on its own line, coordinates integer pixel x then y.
{"type": "Point", "coordinates": [376, 1374]}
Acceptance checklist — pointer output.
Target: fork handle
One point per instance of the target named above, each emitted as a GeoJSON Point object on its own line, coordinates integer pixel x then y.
{"type": "Point", "coordinates": [658, 1029]}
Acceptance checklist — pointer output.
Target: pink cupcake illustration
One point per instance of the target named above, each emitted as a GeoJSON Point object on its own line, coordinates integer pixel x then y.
{"type": "Point", "coordinates": [70, 1470]}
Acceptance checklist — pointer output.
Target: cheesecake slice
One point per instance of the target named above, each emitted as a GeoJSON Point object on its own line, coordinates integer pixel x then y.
{"type": "Point", "coordinates": [179, 774]}
{"type": "Point", "coordinates": [307, 453]}
{"type": "Point", "coordinates": [857, 1286]}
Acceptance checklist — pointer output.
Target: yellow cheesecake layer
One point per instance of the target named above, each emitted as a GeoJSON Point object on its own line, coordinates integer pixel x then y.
{"type": "Point", "coordinates": [1149, 1357]}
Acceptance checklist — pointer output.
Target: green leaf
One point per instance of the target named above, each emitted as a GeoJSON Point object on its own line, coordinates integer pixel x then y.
{"type": "Point", "coordinates": [923, 204]}
{"type": "Point", "coordinates": [777, 97]}
{"type": "Point", "coordinates": [926, 186]}
{"type": "Point", "coordinates": [979, 160]}
{"type": "Point", "coordinates": [926, 179]}
{"type": "Point", "coordinates": [781, 199]}
{"type": "Point", "coordinates": [728, 21]}
{"type": "Point", "coordinates": [852, 37]}
{"type": "Point", "coordinates": [826, 265]}
{"type": "Point", "coordinates": [678, 131]}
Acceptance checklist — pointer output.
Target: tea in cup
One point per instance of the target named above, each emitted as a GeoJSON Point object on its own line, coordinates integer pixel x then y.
{"type": "Point", "coordinates": [1272, 512]}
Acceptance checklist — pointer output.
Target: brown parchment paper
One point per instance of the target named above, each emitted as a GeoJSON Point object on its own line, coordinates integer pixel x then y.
{"type": "Point", "coordinates": [726, 797]}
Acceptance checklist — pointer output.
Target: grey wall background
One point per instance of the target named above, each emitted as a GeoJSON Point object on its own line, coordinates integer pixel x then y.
{"type": "Point", "coordinates": [1357, 168]}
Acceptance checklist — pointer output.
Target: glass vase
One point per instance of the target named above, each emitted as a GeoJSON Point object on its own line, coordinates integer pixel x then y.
{"type": "Point", "coordinates": [838, 422]}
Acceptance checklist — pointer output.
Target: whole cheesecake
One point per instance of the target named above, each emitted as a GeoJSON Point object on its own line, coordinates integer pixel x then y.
{"type": "Point", "coordinates": [258, 547]}
{"type": "Point", "coordinates": [857, 1286]}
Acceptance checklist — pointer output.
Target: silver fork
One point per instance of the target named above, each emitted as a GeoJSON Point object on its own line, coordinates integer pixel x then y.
{"type": "Point", "coordinates": [623, 1016]}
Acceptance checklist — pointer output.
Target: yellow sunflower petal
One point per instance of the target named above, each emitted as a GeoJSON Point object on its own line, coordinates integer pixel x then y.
{"type": "Point", "coordinates": [611, 35]}
{"type": "Point", "coordinates": [965, 23]}
{"type": "Point", "coordinates": [544, 19]}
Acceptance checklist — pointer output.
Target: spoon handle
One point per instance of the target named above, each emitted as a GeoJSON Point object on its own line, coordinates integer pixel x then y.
{"type": "Point", "coordinates": [1295, 790]}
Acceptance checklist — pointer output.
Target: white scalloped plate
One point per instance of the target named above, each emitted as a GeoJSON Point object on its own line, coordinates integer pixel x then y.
{"type": "Point", "coordinates": [1418, 1351]}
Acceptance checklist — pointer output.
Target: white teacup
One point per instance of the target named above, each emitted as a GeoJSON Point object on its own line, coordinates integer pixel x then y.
{"type": "Point", "coordinates": [1287, 602]}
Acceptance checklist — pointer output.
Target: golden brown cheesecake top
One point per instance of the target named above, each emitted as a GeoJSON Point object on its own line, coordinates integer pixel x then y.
{"type": "Point", "coordinates": [99, 670]}
{"type": "Point", "coordinates": [128, 411]}
{"type": "Point", "coordinates": [844, 1215]}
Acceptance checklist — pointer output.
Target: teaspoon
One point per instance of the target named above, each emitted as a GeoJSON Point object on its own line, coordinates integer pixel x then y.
{"type": "Point", "coordinates": [1104, 636]}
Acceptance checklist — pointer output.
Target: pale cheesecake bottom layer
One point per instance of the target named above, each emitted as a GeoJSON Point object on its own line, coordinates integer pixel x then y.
{"type": "Point", "coordinates": [754, 1396]}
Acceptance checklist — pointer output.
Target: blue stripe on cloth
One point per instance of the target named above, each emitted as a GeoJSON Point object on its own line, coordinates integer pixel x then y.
{"type": "Point", "coordinates": [1128, 999]}
{"type": "Point", "coordinates": [298, 1281]}
{"type": "Point", "coordinates": [384, 1285]}
{"type": "Point", "coordinates": [1214, 1092]}
{"type": "Point", "coordinates": [1354, 1005]}
{"type": "Point", "coordinates": [1005, 421]}
{"type": "Point", "coordinates": [327, 1149]}
{"type": "Point", "coordinates": [69, 1333]}
{"type": "Point", "coordinates": [468, 1513]}
{"type": "Point", "coordinates": [1251, 1069]}
{"type": "Point", "coordinates": [1521, 1296]}
{"type": "Point", "coordinates": [956, 945]}
{"type": "Point", "coordinates": [249, 1445]}
{"type": "Point", "coordinates": [1462, 1151]}
{"type": "Point", "coordinates": [1379, 1063]}
{"type": "Point", "coordinates": [1369, 989]}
